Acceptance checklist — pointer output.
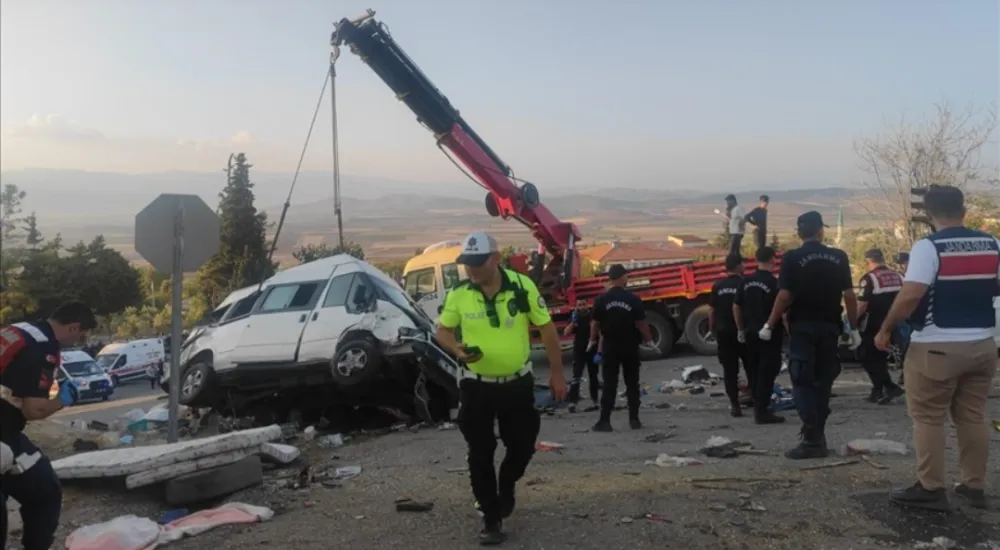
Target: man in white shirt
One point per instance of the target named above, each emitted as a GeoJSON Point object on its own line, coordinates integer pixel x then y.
{"type": "Point", "coordinates": [737, 223]}
{"type": "Point", "coordinates": [952, 278]}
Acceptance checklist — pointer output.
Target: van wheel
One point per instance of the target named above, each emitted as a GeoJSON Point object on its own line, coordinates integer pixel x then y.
{"type": "Point", "coordinates": [197, 384]}
{"type": "Point", "coordinates": [697, 333]}
{"type": "Point", "coordinates": [662, 332]}
{"type": "Point", "coordinates": [357, 361]}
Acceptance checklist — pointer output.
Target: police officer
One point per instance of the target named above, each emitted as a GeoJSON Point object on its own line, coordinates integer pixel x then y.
{"type": "Point", "coordinates": [879, 287]}
{"type": "Point", "coordinates": [751, 308]}
{"type": "Point", "coordinates": [723, 325]}
{"type": "Point", "coordinates": [948, 296]}
{"type": "Point", "coordinates": [29, 360]}
{"type": "Point", "coordinates": [494, 310]}
{"type": "Point", "coordinates": [620, 318]}
{"type": "Point", "coordinates": [813, 280]}
{"type": "Point", "coordinates": [583, 356]}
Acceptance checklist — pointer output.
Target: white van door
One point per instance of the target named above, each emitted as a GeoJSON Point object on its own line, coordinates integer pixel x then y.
{"type": "Point", "coordinates": [336, 313]}
{"type": "Point", "coordinates": [276, 322]}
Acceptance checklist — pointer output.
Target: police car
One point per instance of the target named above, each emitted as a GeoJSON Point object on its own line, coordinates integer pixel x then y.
{"type": "Point", "coordinates": [93, 382]}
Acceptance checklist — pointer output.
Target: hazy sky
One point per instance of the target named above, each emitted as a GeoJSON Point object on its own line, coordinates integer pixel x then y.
{"type": "Point", "coordinates": [639, 93]}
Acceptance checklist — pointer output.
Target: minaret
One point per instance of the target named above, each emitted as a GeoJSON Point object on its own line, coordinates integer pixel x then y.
{"type": "Point", "coordinates": [840, 225]}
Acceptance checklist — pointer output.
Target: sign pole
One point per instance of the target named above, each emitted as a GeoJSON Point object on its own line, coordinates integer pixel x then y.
{"type": "Point", "coordinates": [176, 319]}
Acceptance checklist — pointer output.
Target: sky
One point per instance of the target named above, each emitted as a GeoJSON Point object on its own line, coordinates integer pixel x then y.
{"type": "Point", "coordinates": [588, 93]}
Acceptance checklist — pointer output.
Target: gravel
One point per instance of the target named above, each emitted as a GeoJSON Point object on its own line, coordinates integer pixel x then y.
{"type": "Point", "coordinates": [598, 492]}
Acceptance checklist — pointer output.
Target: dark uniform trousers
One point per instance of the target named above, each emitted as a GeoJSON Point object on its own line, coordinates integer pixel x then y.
{"type": "Point", "coordinates": [512, 406]}
{"type": "Point", "coordinates": [762, 363]}
{"type": "Point", "coordinates": [627, 361]}
{"type": "Point", "coordinates": [813, 365]}
{"type": "Point", "coordinates": [38, 492]}
{"type": "Point", "coordinates": [583, 359]}
{"type": "Point", "coordinates": [875, 362]}
{"type": "Point", "coordinates": [731, 352]}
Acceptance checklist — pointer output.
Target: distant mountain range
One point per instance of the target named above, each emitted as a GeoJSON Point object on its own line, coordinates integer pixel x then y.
{"type": "Point", "coordinates": [392, 218]}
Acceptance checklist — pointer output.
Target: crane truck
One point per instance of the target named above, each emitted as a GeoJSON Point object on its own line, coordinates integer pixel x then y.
{"type": "Point", "coordinates": [676, 296]}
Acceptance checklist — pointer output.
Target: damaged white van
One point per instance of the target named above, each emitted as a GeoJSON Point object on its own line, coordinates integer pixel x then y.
{"type": "Point", "coordinates": [333, 332]}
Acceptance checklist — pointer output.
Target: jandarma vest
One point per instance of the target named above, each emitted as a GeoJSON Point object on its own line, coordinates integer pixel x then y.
{"type": "Point", "coordinates": [961, 295]}
{"type": "Point", "coordinates": [885, 280]}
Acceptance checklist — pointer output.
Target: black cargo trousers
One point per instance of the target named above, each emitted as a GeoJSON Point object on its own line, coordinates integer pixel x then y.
{"type": "Point", "coordinates": [813, 366]}
{"type": "Point", "coordinates": [583, 359]}
{"type": "Point", "coordinates": [763, 359]}
{"type": "Point", "coordinates": [38, 492]}
{"type": "Point", "coordinates": [731, 352]}
{"type": "Point", "coordinates": [624, 359]}
{"type": "Point", "coordinates": [511, 405]}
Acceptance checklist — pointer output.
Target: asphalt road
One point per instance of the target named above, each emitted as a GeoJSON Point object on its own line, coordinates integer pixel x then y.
{"type": "Point", "coordinates": [127, 396]}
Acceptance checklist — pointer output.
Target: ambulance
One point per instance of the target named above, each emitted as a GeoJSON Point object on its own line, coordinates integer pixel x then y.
{"type": "Point", "coordinates": [131, 360]}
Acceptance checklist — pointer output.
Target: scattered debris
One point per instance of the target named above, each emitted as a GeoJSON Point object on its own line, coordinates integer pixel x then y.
{"type": "Point", "coordinates": [581, 516]}
{"type": "Point", "coordinates": [309, 433]}
{"type": "Point", "coordinates": [664, 460]}
{"type": "Point", "coordinates": [831, 464]}
{"type": "Point", "coordinates": [871, 462]}
{"type": "Point", "coordinates": [996, 425]}
{"type": "Point", "coordinates": [172, 515]}
{"type": "Point", "coordinates": [657, 518]}
{"type": "Point", "coordinates": [657, 437]}
{"type": "Point", "coordinates": [347, 472]}
{"type": "Point", "coordinates": [723, 447]}
{"type": "Point", "coordinates": [671, 386]}
{"type": "Point", "coordinates": [331, 441]}
{"type": "Point", "coordinates": [535, 481]}
{"type": "Point", "coordinates": [938, 543]}
{"type": "Point", "coordinates": [696, 373]}
{"type": "Point", "coordinates": [549, 446]}
{"type": "Point", "coordinates": [874, 447]}
{"type": "Point", "coordinates": [626, 520]}
{"type": "Point", "coordinates": [462, 470]}
{"type": "Point", "coordinates": [696, 390]}
{"type": "Point", "coordinates": [447, 426]}
{"type": "Point", "coordinates": [410, 505]}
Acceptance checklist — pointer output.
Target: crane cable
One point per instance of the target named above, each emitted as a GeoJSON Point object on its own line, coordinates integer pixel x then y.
{"type": "Point", "coordinates": [298, 168]}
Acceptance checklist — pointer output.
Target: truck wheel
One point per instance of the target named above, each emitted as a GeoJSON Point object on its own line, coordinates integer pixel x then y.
{"type": "Point", "coordinates": [697, 333]}
{"type": "Point", "coordinates": [197, 385]}
{"type": "Point", "coordinates": [662, 332]}
{"type": "Point", "coordinates": [358, 361]}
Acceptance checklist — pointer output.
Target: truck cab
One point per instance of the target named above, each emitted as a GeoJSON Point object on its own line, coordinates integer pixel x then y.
{"type": "Point", "coordinates": [428, 277]}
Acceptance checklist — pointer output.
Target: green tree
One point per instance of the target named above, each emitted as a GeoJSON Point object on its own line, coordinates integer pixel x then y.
{"type": "Point", "coordinates": [983, 213]}
{"type": "Point", "coordinates": [392, 268]}
{"type": "Point", "coordinates": [11, 198]}
{"type": "Point", "coordinates": [312, 252]}
{"type": "Point", "coordinates": [242, 257]}
{"type": "Point", "coordinates": [32, 235]}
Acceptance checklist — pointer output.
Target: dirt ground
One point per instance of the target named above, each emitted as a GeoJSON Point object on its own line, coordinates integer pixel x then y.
{"type": "Point", "coordinates": [598, 492]}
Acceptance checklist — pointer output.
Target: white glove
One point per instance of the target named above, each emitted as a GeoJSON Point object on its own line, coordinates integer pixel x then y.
{"type": "Point", "coordinates": [6, 459]}
{"type": "Point", "coordinates": [855, 340]}
{"type": "Point", "coordinates": [765, 333]}
{"type": "Point", "coordinates": [741, 337]}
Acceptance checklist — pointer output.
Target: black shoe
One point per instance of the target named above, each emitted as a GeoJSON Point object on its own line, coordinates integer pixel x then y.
{"type": "Point", "coordinates": [891, 394]}
{"type": "Point", "coordinates": [768, 418]}
{"type": "Point", "coordinates": [572, 407]}
{"type": "Point", "coordinates": [634, 423]}
{"type": "Point", "coordinates": [805, 451]}
{"type": "Point", "coordinates": [506, 506]}
{"type": "Point", "coordinates": [874, 396]}
{"type": "Point", "coordinates": [975, 497]}
{"type": "Point", "coordinates": [918, 497]}
{"type": "Point", "coordinates": [492, 535]}
{"type": "Point", "coordinates": [602, 426]}
{"type": "Point", "coordinates": [735, 411]}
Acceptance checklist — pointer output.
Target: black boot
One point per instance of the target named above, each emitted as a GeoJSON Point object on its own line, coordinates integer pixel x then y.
{"type": "Point", "coordinates": [767, 417]}
{"type": "Point", "coordinates": [874, 396]}
{"type": "Point", "coordinates": [634, 423]}
{"type": "Point", "coordinates": [892, 392]}
{"type": "Point", "coordinates": [492, 534]}
{"type": "Point", "coordinates": [813, 445]}
{"type": "Point", "coordinates": [735, 410]}
{"type": "Point", "coordinates": [604, 424]}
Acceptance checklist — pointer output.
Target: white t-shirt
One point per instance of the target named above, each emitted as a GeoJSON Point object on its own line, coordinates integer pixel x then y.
{"type": "Point", "coordinates": [923, 269]}
{"type": "Point", "coordinates": [736, 222]}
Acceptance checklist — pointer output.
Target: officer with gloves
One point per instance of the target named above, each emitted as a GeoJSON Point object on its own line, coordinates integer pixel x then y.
{"type": "Point", "coordinates": [29, 360]}
{"type": "Point", "coordinates": [620, 319]}
{"type": "Point", "coordinates": [751, 308]}
{"type": "Point", "coordinates": [583, 357]}
{"type": "Point", "coordinates": [813, 280]}
{"type": "Point", "coordinates": [879, 287]}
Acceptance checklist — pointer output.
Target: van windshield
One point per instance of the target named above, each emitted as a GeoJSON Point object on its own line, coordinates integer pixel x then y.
{"type": "Point", "coordinates": [79, 369]}
{"type": "Point", "coordinates": [105, 361]}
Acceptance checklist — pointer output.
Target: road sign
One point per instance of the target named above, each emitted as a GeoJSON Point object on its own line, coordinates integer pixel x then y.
{"type": "Point", "coordinates": [176, 234]}
{"type": "Point", "coordinates": [154, 232]}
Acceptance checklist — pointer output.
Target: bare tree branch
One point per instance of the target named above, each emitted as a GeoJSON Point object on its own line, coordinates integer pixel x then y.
{"type": "Point", "coordinates": [943, 150]}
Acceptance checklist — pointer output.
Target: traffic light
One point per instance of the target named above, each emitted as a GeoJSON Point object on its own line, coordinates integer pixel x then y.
{"type": "Point", "coordinates": [920, 210]}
